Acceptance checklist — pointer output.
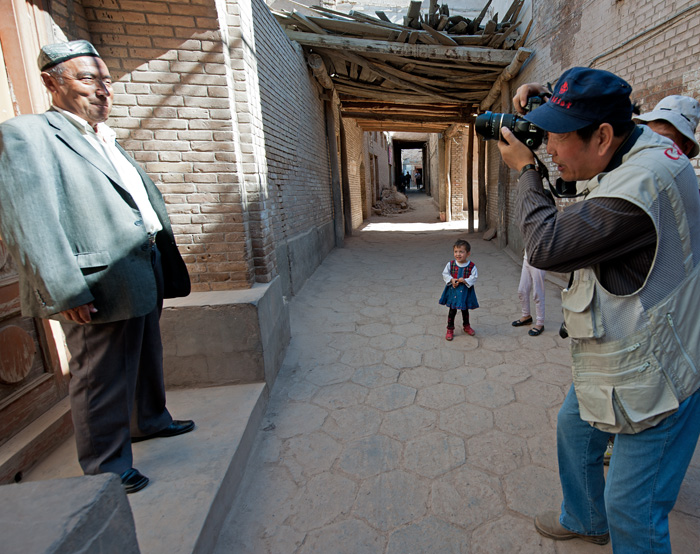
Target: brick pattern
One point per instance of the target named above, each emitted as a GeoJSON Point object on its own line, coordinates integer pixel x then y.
{"type": "Point", "coordinates": [377, 170]}
{"type": "Point", "coordinates": [356, 168]}
{"type": "Point", "coordinates": [290, 129]}
{"type": "Point", "coordinates": [173, 112]}
{"type": "Point", "coordinates": [654, 46]}
{"type": "Point", "coordinates": [68, 21]}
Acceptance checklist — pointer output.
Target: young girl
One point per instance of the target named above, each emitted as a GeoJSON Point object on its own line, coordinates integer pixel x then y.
{"type": "Point", "coordinates": [460, 276]}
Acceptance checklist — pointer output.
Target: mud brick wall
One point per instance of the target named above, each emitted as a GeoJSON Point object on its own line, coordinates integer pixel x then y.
{"type": "Point", "coordinates": [356, 168]}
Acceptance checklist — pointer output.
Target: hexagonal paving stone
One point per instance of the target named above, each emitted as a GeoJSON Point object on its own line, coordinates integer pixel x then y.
{"type": "Point", "coordinates": [362, 356]}
{"type": "Point", "coordinates": [392, 499]}
{"type": "Point", "coordinates": [509, 373]}
{"type": "Point", "coordinates": [538, 393]}
{"type": "Point", "coordinates": [353, 423]}
{"type": "Point", "coordinates": [302, 391]}
{"type": "Point", "coordinates": [464, 376]}
{"type": "Point", "coordinates": [485, 358]}
{"type": "Point", "coordinates": [560, 356]}
{"type": "Point", "coordinates": [466, 420]}
{"type": "Point", "coordinates": [343, 395]}
{"type": "Point", "coordinates": [443, 358]}
{"type": "Point", "coordinates": [391, 397]}
{"type": "Point", "coordinates": [440, 396]}
{"type": "Point", "coordinates": [387, 342]}
{"type": "Point", "coordinates": [521, 419]}
{"type": "Point", "coordinates": [375, 376]}
{"type": "Point", "coordinates": [330, 374]}
{"type": "Point", "coordinates": [345, 341]}
{"type": "Point", "coordinates": [497, 344]}
{"type": "Point", "coordinates": [349, 536]}
{"type": "Point", "coordinates": [408, 329]}
{"type": "Point", "coordinates": [497, 452]}
{"type": "Point", "coordinates": [325, 497]}
{"type": "Point", "coordinates": [543, 450]}
{"type": "Point", "coordinates": [419, 377]}
{"type": "Point", "coordinates": [555, 374]}
{"type": "Point", "coordinates": [515, 536]}
{"type": "Point", "coordinates": [371, 311]}
{"type": "Point", "coordinates": [298, 419]}
{"type": "Point", "coordinates": [370, 456]}
{"type": "Point", "coordinates": [467, 497]}
{"type": "Point", "coordinates": [430, 535]}
{"type": "Point", "coordinates": [532, 489]}
{"type": "Point", "coordinates": [403, 358]}
{"type": "Point", "coordinates": [408, 422]}
{"type": "Point", "coordinates": [315, 453]}
{"type": "Point", "coordinates": [527, 358]}
{"type": "Point", "coordinates": [423, 343]}
{"type": "Point", "coordinates": [489, 394]}
{"type": "Point", "coordinates": [434, 454]}
{"type": "Point", "coordinates": [373, 329]}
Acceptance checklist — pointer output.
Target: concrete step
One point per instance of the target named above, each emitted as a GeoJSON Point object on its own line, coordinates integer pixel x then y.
{"type": "Point", "coordinates": [194, 477]}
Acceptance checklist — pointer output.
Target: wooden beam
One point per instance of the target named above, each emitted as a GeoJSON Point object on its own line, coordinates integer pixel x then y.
{"type": "Point", "coordinates": [319, 69]}
{"type": "Point", "coordinates": [508, 73]}
{"type": "Point", "coordinates": [454, 53]}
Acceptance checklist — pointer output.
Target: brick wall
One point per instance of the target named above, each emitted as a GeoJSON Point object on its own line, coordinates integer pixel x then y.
{"type": "Point", "coordinates": [377, 171]}
{"type": "Point", "coordinates": [68, 21]}
{"type": "Point", "coordinates": [239, 154]}
{"type": "Point", "coordinates": [356, 167]}
{"type": "Point", "coordinates": [173, 111]}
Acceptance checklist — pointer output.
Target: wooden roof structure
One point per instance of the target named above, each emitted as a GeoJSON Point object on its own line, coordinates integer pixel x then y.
{"type": "Point", "coordinates": [425, 75]}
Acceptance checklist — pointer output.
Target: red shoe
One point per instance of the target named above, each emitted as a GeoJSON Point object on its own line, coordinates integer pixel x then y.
{"type": "Point", "coordinates": [450, 334]}
{"type": "Point", "coordinates": [469, 331]}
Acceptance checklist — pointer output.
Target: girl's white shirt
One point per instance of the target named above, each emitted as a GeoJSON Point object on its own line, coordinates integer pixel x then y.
{"type": "Point", "coordinates": [447, 276]}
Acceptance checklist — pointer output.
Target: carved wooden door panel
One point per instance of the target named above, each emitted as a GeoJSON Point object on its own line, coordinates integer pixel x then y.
{"type": "Point", "coordinates": [31, 380]}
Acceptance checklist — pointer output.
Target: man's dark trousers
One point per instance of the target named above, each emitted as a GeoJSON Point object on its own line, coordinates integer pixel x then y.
{"type": "Point", "coordinates": [114, 365]}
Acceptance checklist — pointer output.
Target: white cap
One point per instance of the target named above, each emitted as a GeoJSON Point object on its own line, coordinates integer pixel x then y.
{"type": "Point", "coordinates": [682, 112]}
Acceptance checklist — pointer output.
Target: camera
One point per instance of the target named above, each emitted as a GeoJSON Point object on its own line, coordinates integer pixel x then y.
{"type": "Point", "coordinates": [488, 125]}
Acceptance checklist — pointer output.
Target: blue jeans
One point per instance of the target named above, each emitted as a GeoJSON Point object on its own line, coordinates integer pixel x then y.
{"type": "Point", "coordinates": [645, 475]}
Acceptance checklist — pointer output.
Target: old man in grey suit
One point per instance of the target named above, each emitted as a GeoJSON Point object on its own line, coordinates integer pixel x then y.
{"type": "Point", "coordinates": [92, 241]}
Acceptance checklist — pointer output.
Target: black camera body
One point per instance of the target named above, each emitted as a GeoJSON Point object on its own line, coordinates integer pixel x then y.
{"type": "Point", "coordinates": [488, 125]}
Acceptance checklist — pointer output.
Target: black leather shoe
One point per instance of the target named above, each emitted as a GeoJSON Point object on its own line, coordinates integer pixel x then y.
{"type": "Point", "coordinates": [518, 323]}
{"type": "Point", "coordinates": [177, 427]}
{"type": "Point", "coordinates": [133, 480]}
{"type": "Point", "coordinates": [535, 332]}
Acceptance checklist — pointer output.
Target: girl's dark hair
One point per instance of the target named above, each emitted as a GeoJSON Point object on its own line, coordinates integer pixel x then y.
{"type": "Point", "coordinates": [462, 242]}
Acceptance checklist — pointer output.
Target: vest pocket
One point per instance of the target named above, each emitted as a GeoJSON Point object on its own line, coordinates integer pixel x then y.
{"type": "Point", "coordinates": [633, 395]}
{"type": "Point", "coordinates": [582, 317]}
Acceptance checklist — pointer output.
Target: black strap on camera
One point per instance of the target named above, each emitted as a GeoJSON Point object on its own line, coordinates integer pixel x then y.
{"type": "Point", "coordinates": [561, 188]}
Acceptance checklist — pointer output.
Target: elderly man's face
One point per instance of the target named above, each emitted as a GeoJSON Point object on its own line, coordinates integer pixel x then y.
{"type": "Point", "coordinates": [664, 128]}
{"type": "Point", "coordinates": [84, 88]}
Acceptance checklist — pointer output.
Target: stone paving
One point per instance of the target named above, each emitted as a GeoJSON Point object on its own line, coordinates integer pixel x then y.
{"type": "Point", "coordinates": [382, 437]}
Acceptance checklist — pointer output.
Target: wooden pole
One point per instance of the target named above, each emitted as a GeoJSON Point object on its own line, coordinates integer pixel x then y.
{"type": "Point", "coordinates": [347, 212]}
{"type": "Point", "coordinates": [470, 176]}
{"type": "Point", "coordinates": [503, 172]}
{"type": "Point", "coordinates": [336, 190]}
{"type": "Point", "coordinates": [482, 185]}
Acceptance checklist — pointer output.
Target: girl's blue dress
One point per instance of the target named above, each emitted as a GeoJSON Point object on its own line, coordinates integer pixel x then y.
{"type": "Point", "coordinates": [462, 297]}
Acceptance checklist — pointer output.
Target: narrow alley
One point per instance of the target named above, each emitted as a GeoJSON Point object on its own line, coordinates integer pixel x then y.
{"type": "Point", "coordinates": [382, 437]}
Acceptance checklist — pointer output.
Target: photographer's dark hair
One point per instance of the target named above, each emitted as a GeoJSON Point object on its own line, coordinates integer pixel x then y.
{"type": "Point", "coordinates": [620, 128]}
{"type": "Point", "coordinates": [462, 242]}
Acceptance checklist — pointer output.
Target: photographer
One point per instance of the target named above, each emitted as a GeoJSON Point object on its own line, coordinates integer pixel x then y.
{"type": "Point", "coordinates": [633, 244]}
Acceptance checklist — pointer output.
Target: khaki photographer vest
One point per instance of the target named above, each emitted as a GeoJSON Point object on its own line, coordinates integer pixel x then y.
{"type": "Point", "coordinates": [637, 356]}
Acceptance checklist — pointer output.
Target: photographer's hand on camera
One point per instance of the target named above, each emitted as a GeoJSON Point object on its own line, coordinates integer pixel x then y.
{"type": "Point", "coordinates": [526, 91]}
{"type": "Point", "coordinates": [514, 153]}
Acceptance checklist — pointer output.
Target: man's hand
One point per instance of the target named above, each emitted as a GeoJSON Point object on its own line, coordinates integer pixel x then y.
{"type": "Point", "coordinates": [524, 92]}
{"type": "Point", "coordinates": [514, 153]}
{"type": "Point", "coordinates": [81, 314]}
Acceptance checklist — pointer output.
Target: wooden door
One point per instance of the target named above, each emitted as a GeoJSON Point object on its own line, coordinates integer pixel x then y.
{"type": "Point", "coordinates": [32, 368]}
